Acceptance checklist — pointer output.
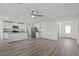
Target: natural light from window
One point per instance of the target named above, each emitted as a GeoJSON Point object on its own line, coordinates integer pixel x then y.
{"type": "Point", "coordinates": [68, 29]}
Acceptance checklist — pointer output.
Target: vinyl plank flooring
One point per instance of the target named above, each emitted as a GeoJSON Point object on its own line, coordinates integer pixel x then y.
{"type": "Point", "coordinates": [41, 47]}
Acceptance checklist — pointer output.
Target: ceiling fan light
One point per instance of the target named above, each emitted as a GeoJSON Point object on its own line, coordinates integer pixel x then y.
{"type": "Point", "coordinates": [32, 16]}
{"type": "Point", "coordinates": [34, 12]}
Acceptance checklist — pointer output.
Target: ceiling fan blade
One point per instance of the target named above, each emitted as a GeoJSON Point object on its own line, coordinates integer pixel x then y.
{"type": "Point", "coordinates": [35, 13]}
{"type": "Point", "coordinates": [40, 15]}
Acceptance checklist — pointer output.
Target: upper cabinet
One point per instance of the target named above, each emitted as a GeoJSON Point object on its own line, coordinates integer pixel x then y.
{"type": "Point", "coordinates": [22, 27]}
{"type": "Point", "coordinates": [7, 25]}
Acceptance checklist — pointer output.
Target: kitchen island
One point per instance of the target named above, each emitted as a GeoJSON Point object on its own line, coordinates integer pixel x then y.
{"type": "Point", "coordinates": [11, 37]}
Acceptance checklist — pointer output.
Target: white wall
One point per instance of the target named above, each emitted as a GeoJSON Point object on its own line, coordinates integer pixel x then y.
{"type": "Point", "coordinates": [78, 30]}
{"type": "Point", "coordinates": [49, 29]}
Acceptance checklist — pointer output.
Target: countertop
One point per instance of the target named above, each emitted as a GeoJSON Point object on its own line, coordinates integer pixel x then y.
{"type": "Point", "coordinates": [14, 32]}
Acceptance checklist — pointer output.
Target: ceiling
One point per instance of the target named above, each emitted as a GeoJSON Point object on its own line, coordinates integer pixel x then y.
{"type": "Point", "coordinates": [51, 11]}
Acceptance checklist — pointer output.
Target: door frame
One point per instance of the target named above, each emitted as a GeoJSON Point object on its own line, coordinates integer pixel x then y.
{"type": "Point", "coordinates": [59, 30]}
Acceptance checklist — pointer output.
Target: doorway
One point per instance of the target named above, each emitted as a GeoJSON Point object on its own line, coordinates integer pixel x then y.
{"type": "Point", "coordinates": [67, 29]}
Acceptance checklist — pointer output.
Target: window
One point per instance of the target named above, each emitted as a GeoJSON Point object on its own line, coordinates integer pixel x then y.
{"type": "Point", "coordinates": [68, 29]}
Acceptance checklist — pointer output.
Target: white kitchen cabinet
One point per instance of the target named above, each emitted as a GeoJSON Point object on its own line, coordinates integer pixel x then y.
{"type": "Point", "coordinates": [17, 36]}
{"type": "Point", "coordinates": [5, 36]}
{"type": "Point", "coordinates": [1, 30]}
{"type": "Point", "coordinates": [22, 27]}
{"type": "Point", "coordinates": [38, 34]}
{"type": "Point", "coordinates": [7, 25]}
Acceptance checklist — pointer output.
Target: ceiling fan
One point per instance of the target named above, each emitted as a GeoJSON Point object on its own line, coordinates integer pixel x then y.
{"type": "Point", "coordinates": [35, 13]}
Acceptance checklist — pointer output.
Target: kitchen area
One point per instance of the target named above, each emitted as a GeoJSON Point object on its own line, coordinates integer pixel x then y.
{"type": "Point", "coordinates": [14, 31]}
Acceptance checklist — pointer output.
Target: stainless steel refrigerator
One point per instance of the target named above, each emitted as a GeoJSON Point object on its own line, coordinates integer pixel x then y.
{"type": "Point", "coordinates": [33, 32]}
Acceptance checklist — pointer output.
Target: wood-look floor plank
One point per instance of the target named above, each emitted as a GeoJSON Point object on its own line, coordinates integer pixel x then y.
{"type": "Point", "coordinates": [41, 47]}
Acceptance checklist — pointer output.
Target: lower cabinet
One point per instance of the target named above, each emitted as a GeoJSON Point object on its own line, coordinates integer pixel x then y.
{"type": "Point", "coordinates": [16, 37]}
